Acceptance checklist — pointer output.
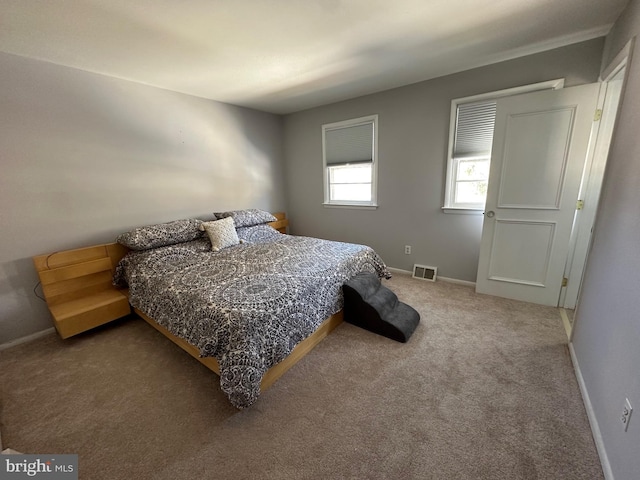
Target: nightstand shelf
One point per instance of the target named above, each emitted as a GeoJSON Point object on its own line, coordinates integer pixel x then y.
{"type": "Point", "coordinates": [281, 223]}
{"type": "Point", "coordinates": [78, 290]}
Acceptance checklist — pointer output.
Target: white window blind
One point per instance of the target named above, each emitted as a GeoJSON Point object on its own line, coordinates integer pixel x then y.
{"type": "Point", "coordinates": [474, 129]}
{"type": "Point", "coordinates": [350, 161]}
{"type": "Point", "coordinates": [349, 145]}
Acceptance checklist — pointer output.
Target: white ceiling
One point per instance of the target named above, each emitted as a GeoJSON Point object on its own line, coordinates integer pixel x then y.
{"type": "Point", "coordinates": [283, 56]}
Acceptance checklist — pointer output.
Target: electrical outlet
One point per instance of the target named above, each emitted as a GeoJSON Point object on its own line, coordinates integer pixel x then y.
{"type": "Point", "coordinates": [407, 249]}
{"type": "Point", "coordinates": [625, 418]}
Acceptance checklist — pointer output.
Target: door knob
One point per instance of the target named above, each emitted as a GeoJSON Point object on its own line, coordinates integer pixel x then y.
{"type": "Point", "coordinates": [491, 214]}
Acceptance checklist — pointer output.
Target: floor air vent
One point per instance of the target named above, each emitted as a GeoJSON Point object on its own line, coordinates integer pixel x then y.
{"type": "Point", "coordinates": [424, 272]}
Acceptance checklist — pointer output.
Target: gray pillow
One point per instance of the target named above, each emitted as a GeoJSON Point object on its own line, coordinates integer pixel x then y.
{"type": "Point", "coordinates": [248, 218]}
{"type": "Point", "coordinates": [162, 234]}
{"type": "Point", "coordinates": [258, 234]}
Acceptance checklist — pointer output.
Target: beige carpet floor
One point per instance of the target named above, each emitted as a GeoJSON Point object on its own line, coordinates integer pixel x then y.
{"type": "Point", "coordinates": [483, 390]}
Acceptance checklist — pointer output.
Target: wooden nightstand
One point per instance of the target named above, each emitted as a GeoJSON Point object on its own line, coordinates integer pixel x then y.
{"type": "Point", "coordinates": [78, 290]}
{"type": "Point", "coordinates": [281, 224]}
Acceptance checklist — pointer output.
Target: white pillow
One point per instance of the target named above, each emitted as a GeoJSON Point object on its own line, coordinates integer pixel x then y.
{"type": "Point", "coordinates": [222, 233]}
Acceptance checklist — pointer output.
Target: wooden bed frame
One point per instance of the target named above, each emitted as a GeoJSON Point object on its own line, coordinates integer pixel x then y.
{"type": "Point", "coordinates": [80, 296]}
{"type": "Point", "coordinates": [275, 372]}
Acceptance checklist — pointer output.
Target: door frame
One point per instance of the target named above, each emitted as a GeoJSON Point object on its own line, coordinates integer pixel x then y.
{"type": "Point", "coordinates": [592, 180]}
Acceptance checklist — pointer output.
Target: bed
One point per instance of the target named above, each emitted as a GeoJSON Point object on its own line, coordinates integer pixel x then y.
{"type": "Point", "coordinates": [249, 310]}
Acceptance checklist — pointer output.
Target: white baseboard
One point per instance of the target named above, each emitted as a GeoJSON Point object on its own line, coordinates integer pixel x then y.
{"type": "Point", "coordinates": [399, 270]}
{"type": "Point", "coordinates": [444, 279]}
{"type": "Point", "coordinates": [459, 282]}
{"type": "Point", "coordinates": [28, 338]}
{"type": "Point", "coordinates": [593, 421]}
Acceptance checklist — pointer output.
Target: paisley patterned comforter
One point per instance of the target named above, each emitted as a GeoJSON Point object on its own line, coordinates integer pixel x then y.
{"type": "Point", "coordinates": [247, 305]}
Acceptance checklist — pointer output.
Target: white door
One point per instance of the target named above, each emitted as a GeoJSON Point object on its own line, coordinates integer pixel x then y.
{"type": "Point", "coordinates": [539, 149]}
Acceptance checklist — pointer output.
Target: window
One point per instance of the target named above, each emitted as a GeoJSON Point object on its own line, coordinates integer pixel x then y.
{"type": "Point", "coordinates": [472, 153]}
{"type": "Point", "coordinates": [350, 161]}
{"type": "Point", "coordinates": [470, 139]}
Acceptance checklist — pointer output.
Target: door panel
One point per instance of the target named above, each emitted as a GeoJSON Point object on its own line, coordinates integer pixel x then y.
{"type": "Point", "coordinates": [511, 237]}
{"type": "Point", "coordinates": [539, 148]}
{"type": "Point", "coordinates": [533, 171]}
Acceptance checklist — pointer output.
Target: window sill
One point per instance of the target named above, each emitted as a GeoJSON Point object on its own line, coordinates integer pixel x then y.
{"type": "Point", "coordinates": [348, 205]}
{"type": "Point", "coordinates": [463, 211]}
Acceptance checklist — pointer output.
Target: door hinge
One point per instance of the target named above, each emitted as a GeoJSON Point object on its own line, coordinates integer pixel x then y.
{"type": "Point", "coordinates": [565, 281]}
{"type": "Point", "coordinates": [579, 204]}
{"type": "Point", "coordinates": [598, 115]}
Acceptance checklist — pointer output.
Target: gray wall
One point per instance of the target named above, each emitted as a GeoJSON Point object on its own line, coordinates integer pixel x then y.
{"type": "Point", "coordinates": [413, 135]}
{"type": "Point", "coordinates": [84, 157]}
{"type": "Point", "coordinates": [606, 338]}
